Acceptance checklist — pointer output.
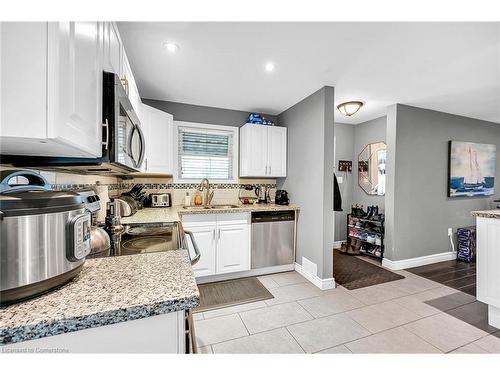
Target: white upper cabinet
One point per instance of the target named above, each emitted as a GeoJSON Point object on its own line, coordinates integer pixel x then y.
{"type": "Point", "coordinates": [51, 88]}
{"type": "Point", "coordinates": [112, 49]}
{"type": "Point", "coordinates": [130, 86]}
{"type": "Point", "coordinates": [75, 85]}
{"type": "Point", "coordinates": [262, 151]}
{"type": "Point", "coordinates": [158, 128]}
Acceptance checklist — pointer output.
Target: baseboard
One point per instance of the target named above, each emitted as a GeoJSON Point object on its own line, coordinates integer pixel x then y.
{"type": "Point", "coordinates": [337, 244]}
{"type": "Point", "coordinates": [395, 265]}
{"type": "Point", "coordinates": [250, 273]}
{"type": "Point", "coordinates": [322, 284]}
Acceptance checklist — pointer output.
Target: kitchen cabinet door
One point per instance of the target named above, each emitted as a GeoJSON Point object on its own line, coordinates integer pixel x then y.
{"type": "Point", "coordinates": [75, 86]}
{"type": "Point", "coordinates": [205, 239]}
{"type": "Point", "coordinates": [112, 49]}
{"type": "Point", "coordinates": [276, 151]}
{"type": "Point", "coordinates": [253, 151]}
{"type": "Point", "coordinates": [233, 248]}
{"type": "Point", "coordinates": [130, 86]}
{"type": "Point", "coordinates": [158, 132]}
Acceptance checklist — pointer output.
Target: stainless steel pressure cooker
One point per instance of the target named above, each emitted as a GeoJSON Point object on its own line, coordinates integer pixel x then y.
{"type": "Point", "coordinates": [45, 235]}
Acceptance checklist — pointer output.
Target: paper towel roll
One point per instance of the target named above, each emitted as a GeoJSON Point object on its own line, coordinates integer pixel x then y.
{"type": "Point", "coordinates": [103, 194]}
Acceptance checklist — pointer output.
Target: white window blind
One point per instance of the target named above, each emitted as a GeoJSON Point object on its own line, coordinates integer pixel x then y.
{"type": "Point", "coordinates": [205, 154]}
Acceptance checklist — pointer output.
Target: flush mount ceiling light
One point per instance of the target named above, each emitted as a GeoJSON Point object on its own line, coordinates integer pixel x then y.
{"type": "Point", "coordinates": [349, 108]}
{"type": "Point", "coordinates": [270, 66]}
{"type": "Point", "coordinates": [171, 47]}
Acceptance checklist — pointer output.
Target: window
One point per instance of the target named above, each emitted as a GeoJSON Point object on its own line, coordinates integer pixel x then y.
{"type": "Point", "coordinates": [206, 151]}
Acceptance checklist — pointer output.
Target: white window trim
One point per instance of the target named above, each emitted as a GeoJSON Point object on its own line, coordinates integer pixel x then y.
{"type": "Point", "coordinates": [201, 126]}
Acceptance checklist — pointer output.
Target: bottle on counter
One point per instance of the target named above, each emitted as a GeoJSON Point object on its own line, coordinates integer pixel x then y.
{"type": "Point", "coordinates": [198, 199]}
{"type": "Point", "coordinates": [187, 199]}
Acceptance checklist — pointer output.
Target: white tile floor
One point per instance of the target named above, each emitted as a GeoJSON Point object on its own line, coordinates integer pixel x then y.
{"type": "Point", "coordinates": [385, 318]}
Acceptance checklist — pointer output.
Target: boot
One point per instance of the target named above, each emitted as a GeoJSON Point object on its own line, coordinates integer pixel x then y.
{"type": "Point", "coordinates": [353, 249]}
{"type": "Point", "coordinates": [361, 212]}
{"type": "Point", "coordinates": [343, 247]}
{"type": "Point", "coordinates": [374, 213]}
{"type": "Point", "coordinates": [369, 213]}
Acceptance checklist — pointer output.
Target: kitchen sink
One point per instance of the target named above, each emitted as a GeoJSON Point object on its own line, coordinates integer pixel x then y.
{"type": "Point", "coordinates": [214, 206]}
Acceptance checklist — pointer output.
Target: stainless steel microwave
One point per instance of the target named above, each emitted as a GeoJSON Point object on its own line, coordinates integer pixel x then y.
{"type": "Point", "coordinates": [123, 144]}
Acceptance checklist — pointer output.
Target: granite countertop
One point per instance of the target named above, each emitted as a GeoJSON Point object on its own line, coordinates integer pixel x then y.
{"type": "Point", "coordinates": [106, 291]}
{"type": "Point", "coordinates": [492, 214]}
{"type": "Point", "coordinates": [173, 214]}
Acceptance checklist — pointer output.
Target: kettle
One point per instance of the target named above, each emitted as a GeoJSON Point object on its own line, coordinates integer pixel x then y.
{"type": "Point", "coordinates": [262, 193]}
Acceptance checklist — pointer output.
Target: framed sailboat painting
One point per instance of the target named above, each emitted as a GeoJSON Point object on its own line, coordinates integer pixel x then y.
{"type": "Point", "coordinates": [471, 169]}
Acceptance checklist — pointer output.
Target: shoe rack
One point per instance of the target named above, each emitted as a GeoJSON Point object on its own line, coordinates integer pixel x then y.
{"type": "Point", "coordinates": [366, 235]}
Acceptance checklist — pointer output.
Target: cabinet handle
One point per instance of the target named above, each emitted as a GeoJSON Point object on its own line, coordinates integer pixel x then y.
{"type": "Point", "coordinates": [125, 84]}
{"type": "Point", "coordinates": [266, 171]}
{"type": "Point", "coordinates": [213, 234]}
{"type": "Point", "coordinates": [106, 142]}
{"type": "Point", "coordinates": [269, 170]}
{"type": "Point", "coordinates": [146, 164]}
{"type": "Point", "coordinates": [219, 235]}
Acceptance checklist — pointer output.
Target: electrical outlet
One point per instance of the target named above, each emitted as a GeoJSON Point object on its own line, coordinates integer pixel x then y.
{"type": "Point", "coordinates": [450, 232]}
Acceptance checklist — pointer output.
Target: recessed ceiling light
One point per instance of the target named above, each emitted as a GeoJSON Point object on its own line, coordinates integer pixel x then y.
{"type": "Point", "coordinates": [270, 66]}
{"type": "Point", "coordinates": [171, 47]}
{"type": "Point", "coordinates": [349, 108]}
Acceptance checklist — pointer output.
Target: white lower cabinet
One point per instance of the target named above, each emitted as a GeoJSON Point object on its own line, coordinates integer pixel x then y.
{"type": "Point", "coordinates": [223, 241]}
{"type": "Point", "coordinates": [233, 249]}
{"type": "Point", "coordinates": [205, 239]}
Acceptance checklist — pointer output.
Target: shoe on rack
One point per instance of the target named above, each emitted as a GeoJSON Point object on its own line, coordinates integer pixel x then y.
{"type": "Point", "coordinates": [369, 213]}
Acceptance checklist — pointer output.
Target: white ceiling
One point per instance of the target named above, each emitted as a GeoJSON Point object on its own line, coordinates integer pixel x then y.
{"type": "Point", "coordinates": [450, 67]}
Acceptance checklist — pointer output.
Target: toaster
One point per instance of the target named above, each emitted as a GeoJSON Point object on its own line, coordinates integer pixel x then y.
{"type": "Point", "coordinates": [160, 200]}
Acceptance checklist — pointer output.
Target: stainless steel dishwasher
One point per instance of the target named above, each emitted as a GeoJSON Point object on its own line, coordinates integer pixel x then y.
{"type": "Point", "coordinates": [273, 237]}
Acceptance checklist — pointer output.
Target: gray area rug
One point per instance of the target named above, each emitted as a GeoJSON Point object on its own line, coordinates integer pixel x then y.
{"type": "Point", "coordinates": [231, 292]}
{"type": "Point", "coordinates": [354, 273]}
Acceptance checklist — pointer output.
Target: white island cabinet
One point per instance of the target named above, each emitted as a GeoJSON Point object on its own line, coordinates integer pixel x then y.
{"type": "Point", "coordinates": [156, 334]}
{"type": "Point", "coordinates": [488, 263]}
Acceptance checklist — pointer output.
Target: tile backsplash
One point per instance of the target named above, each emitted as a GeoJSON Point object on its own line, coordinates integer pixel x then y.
{"type": "Point", "coordinates": [223, 193]}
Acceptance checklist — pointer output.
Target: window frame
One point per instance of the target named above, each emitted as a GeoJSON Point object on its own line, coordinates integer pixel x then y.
{"type": "Point", "coordinates": [210, 127]}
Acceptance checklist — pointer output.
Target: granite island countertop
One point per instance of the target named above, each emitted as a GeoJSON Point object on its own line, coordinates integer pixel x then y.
{"type": "Point", "coordinates": [173, 214]}
{"type": "Point", "coordinates": [492, 214]}
{"type": "Point", "coordinates": [106, 291]}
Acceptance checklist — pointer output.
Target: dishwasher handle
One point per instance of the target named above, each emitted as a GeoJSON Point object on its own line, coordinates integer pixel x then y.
{"type": "Point", "coordinates": [273, 216]}
{"type": "Point", "coordinates": [195, 247]}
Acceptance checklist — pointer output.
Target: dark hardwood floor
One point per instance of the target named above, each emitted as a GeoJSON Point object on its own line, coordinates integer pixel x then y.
{"type": "Point", "coordinates": [453, 273]}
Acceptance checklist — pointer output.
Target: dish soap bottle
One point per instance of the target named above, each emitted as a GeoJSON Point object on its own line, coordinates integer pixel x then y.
{"type": "Point", "coordinates": [187, 199]}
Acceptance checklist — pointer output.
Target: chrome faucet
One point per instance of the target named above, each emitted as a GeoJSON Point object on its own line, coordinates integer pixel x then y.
{"type": "Point", "coordinates": [205, 186]}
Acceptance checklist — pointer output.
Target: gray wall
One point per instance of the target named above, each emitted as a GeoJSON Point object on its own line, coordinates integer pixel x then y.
{"type": "Point", "coordinates": [372, 131]}
{"type": "Point", "coordinates": [344, 150]}
{"type": "Point", "coordinates": [205, 115]}
{"type": "Point", "coordinates": [420, 211]}
{"type": "Point", "coordinates": [309, 178]}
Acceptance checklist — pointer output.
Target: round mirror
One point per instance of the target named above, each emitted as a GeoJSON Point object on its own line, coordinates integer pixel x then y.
{"type": "Point", "coordinates": [371, 168]}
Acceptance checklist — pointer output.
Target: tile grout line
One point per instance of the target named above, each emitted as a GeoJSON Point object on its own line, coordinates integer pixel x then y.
{"type": "Point", "coordinates": [293, 337]}
{"type": "Point", "coordinates": [249, 334]}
